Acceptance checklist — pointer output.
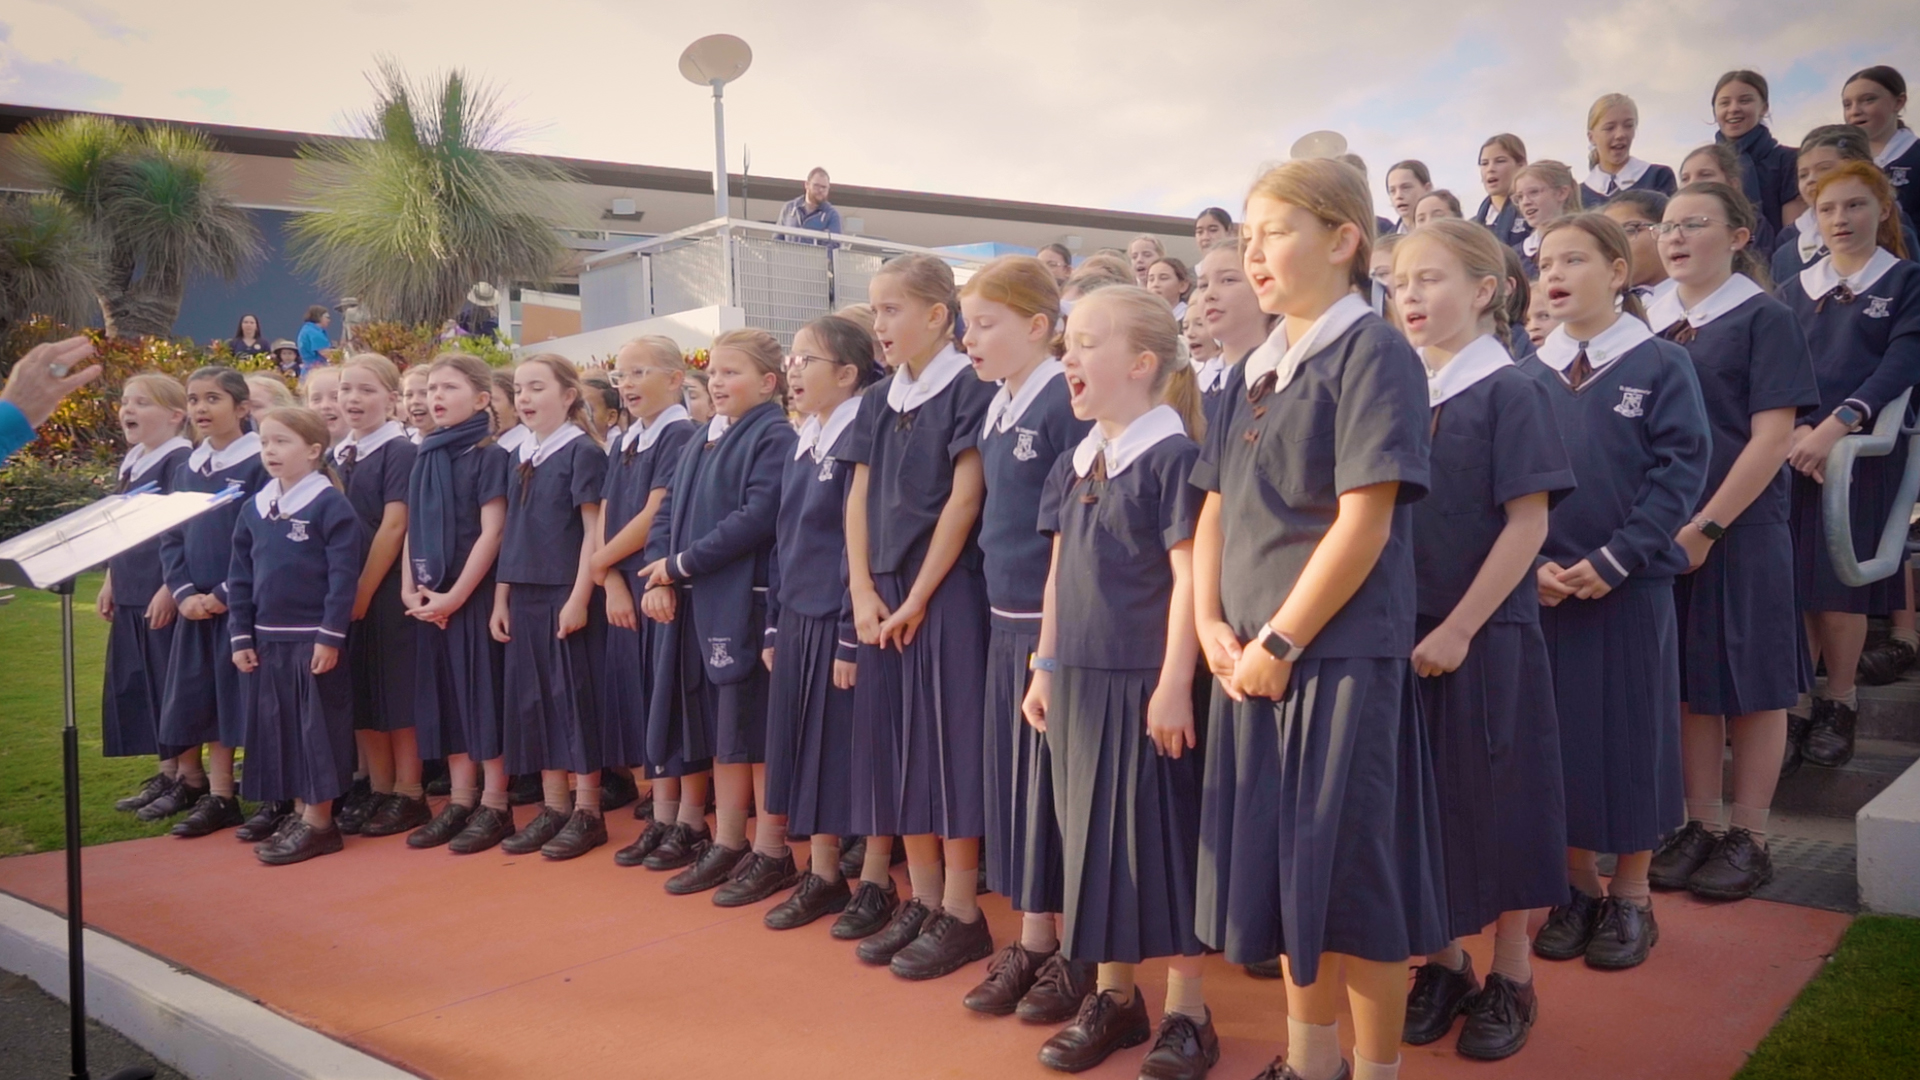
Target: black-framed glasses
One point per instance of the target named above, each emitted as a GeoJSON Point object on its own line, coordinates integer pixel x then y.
{"type": "Point", "coordinates": [1635, 228]}
{"type": "Point", "coordinates": [1692, 226]}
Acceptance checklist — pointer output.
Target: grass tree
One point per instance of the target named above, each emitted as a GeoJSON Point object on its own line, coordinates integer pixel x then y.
{"type": "Point", "coordinates": [154, 199]}
{"type": "Point", "coordinates": [426, 203]}
{"type": "Point", "coordinates": [49, 262]}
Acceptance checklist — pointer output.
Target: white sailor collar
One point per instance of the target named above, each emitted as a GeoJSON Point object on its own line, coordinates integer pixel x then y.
{"type": "Point", "coordinates": [373, 440]}
{"type": "Point", "coordinates": [514, 438]}
{"type": "Point", "coordinates": [1902, 141]}
{"type": "Point", "coordinates": [1482, 357]}
{"type": "Point", "coordinates": [534, 450]}
{"type": "Point", "coordinates": [1530, 246]}
{"type": "Point", "coordinates": [1211, 373]}
{"type": "Point", "coordinates": [1629, 174]}
{"type": "Point", "coordinates": [235, 452]}
{"type": "Point", "coordinates": [1821, 278]}
{"type": "Point", "coordinates": [906, 393]}
{"type": "Point", "coordinates": [1668, 309]}
{"type": "Point", "coordinates": [1283, 359]}
{"type": "Point", "coordinates": [140, 461]}
{"type": "Point", "coordinates": [717, 427]}
{"type": "Point", "coordinates": [1006, 409]}
{"type": "Point", "coordinates": [1154, 427]}
{"type": "Point", "coordinates": [1810, 243]}
{"type": "Point", "coordinates": [292, 500]}
{"type": "Point", "coordinates": [818, 438]}
{"type": "Point", "coordinates": [643, 435]}
{"type": "Point", "coordinates": [1626, 334]}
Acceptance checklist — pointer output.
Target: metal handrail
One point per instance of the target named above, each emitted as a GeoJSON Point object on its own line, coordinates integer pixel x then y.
{"type": "Point", "coordinates": [785, 232]}
{"type": "Point", "coordinates": [1837, 491]}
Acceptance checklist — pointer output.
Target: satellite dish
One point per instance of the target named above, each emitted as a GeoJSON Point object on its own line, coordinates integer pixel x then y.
{"type": "Point", "coordinates": [716, 59]}
{"type": "Point", "coordinates": [1314, 144]}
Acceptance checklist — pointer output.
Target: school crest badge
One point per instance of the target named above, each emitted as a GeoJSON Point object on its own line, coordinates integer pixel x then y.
{"type": "Point", "coordinates": [1897, 176]}
{"type": "Point", "coordinates": [1877, 307]}
{"type": "Point", "coordinates": [1632, 402]}
{"type": "Point", "coordinates": [1023, 445]}
{"type": "Point", "coordinates": [718, 655]}
{"type": "Point", "coordinates": [299, 530]}
{"type": "Point", "coordinates": [826, 470]}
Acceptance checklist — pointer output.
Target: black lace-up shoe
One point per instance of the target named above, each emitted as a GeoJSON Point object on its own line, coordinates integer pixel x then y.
{"type": "Point", "coordinates": [943, 946]}
{"type": "Point", "coordinates": [1498, 1019]}
{"type": "Point", "coordinates": [814, 898]}
{"type": "Point", "coordinates": [1622, 936]}
{"type": "Point", "coordinates": [1568, 928]}
{"type": "Point", "coordinates": [868, 912]}
{"type": "Point", "coordinates": [1012, 973]}
{"type": "Point", "coordinates": [1683, 853]}
{"type": "Point", "coordinates": [1738, 868]}
{"type": "Point", "coordinates": [1103, 1024]}
{"type": "Point", "coordinates": [1184, 1049]}
{"type": "Point", "coordinates": [1439, 995]}
{"type": "Point", "coordinates": [1058, 990]}
{"type": "Point", "coordinates": [900, 931]}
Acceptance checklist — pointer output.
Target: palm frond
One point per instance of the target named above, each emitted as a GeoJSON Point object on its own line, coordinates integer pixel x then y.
{"type": "Point", "coordinates": [50, 262]}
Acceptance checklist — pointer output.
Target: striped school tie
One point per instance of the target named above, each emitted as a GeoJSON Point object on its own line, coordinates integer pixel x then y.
{"type": "Point", "coordinates": [1581, 369]}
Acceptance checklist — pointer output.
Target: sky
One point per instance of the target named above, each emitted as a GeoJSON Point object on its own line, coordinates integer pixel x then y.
{"type": "Point", "coordinates": [1119, 104]}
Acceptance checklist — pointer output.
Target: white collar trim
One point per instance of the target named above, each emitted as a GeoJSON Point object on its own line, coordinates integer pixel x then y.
{"type": "Point", "coordinates": [817, 438]}
{"type": "Point", "coordinates": [1007, 409]}
{"type": "Point", "coordinates": [1482, 357]}
{"type": "Point", "coordinates": [140, 461]}
{"type": "Point", "coordinates": [292, 500]}
{"type": "Point", "coordinates": [1902, 141]}
{"type": "Point", "coordinates": [538, 450]}
{"type": "Point", "coordinates": [1530, 247]}
{"type": "Point", "coordinates": [1629, 174]}
{"type": "Point", "coordinates": [906, 393]}
{"type": "Point", "coordinates": [647, 434]}
{"type": "Point", "coordinates": [1626, 334]}
{"type": "Point", "coordinates": [1667, 308]}
{"type": "Point", "coordinates": [1283, 359]}
{"type": "Point", "coordinates": [514, 438]}
{"type": "Point", "coordinates": [237, 451]}
{"type": "Point", "coordinates": [717, 427]}
{"type": "Point", "coordinates": [1821, 278]}
{"type": "Point", "coordinates": [1154, 427]}
{"type": "Point", "coordinates": [1810, 242]}
{"type": "Point", "coordinates": [1211, 373]}
{"type": "Point", "coordinates": [373, 440]}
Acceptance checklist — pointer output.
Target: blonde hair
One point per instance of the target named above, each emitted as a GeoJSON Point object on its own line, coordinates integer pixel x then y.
{"type": "Point", "coordinates": [860, 313]}
{"type": "Point", "coordinates": [412, 370]}
{"type": "Point", "coordinates": [1148, 325]}
{"type": "Point", "coordinates": [926, 278]}
{"type": "Point", "coordinates": [165, 390]}
{"type": "Point", "coordinates": [1480, 255]}
{"type": "Point", "coordinates": [1598, 112]}
{"type": "Point", "coordinates": [1554, 174]}
{"type": "Point", "coordinates": [660, 349]}
{"type": "Point", "coordinates": [321, 372]}
{"type": "Point", "coordinates": [764, 349]}
{"type": "Point", "coordinates": [271, 387]}
{"type": "Point", "coordinates": [1021, 283]}
{"type": "Point", "coordinates": [1159, 249]}
{"type": "Point", "coordinates": [1333, 191]}
{"type": "Point", "coordinates": [569, 378]}
{"type": "Point", "coordinates": [381, 367]}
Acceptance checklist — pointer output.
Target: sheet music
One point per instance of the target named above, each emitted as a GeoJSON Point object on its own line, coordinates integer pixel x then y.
{"type": "Point", "coordinates": [91, 535]}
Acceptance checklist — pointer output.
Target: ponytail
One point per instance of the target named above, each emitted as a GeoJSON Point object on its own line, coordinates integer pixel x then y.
{"type": "Point", "coordinates": [1182, 393]}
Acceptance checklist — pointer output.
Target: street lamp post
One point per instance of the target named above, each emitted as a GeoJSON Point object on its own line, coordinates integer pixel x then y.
{"type": "Point", "coordinates": [716, 60]}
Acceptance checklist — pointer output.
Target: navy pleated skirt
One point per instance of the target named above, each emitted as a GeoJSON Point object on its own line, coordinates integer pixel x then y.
{"type": "Point", "coordinates": [1743, 646]}
{"type": "Point", "coordinates": [457, 690]}
{"type": "Point", "coordinates": [381, 647]}
{"type": "Point", "coordinates": [693, 719]}
{"type": "Point", "coordinates": [552, 698]}
{"type": "Point", "coordinates": [1320, 829]}
{"type": "Point", "coordinates": [1876, 482]}
{"type": "Point", "coordinates": [1129, 821]}
{"type": "Point", "coordinates": [1616, 679]}
{"type": "Point", "coordinates": [136, 683]}
{"type": "Point", "coordinates": [1495, 736]}
{"type": "Point", "coordinates": [203, 701]}
{"type": "Point", "coordinates": [623, 685]}
{"type": "Point", "coordinates": [809, 730]}
{"type": "Point", "coordinates": [299, 726]}
{"type": "Point", "coordinates": [918, 713]}
{"type": "Point", "coordinates": [1023, 836]}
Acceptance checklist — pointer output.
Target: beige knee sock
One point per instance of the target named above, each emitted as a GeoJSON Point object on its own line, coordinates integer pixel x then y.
{"type": "Point", "coordinates": [959, 897]}
{"type": "Point", "coordinates": [1453, 957]}
{"type": "Point", "coordinates": [730, 827]}
{"type": "Point", "coordinates": [1373, 1070]}
{"type": "Point", "coordinates": [877, 865]}
{"type": "Point", "coordinates": [1754, 820]}
{"type": "Point", "coordinates": [929, 880]}
{"type": "Point", "coordinates": [1313, 1050]}
{"type": "Point", "coordinates": [587, 797]}
{"type": "Point", "coordinates": [826, 857]}
{"type": "Point", "coordinates": [415, 790]}
{"type": "Point", "coordinates": [1512, 957]}
{"type": "Point", "coordinates": [1037, 934]}
{"type": "Point", "coordinates": [1185, 996]}
{"type": "Point", "coordinates": [1711, 813]}
{"type": "Point", "coordinates": [666, 811]}
{"type": "Point", "coordinates": [770, 835]}
{"type": "Point", "coordinates": [492, 800]}
{"type": "Point", "coordinates": [553, 791]}
{"type": "Point", "coordinates": [1583, 870]}
{"type": "Point", "coordinates": [1634, 892]}
{"type": "Point", "coordinates": [694, 816]}
{"type": "Point", "coordinates": [1114, 978]}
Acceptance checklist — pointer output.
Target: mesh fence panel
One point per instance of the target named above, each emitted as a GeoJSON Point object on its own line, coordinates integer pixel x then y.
{"type": "Point", "coordinates": [782, 285]}
{"type": "Point", "coordinates": [852, 270]}
{"type": "Point", "coordinates": [688, 277]}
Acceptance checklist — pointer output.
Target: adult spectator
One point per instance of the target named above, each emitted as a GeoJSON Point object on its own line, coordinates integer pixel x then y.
{"type": "Point", "coordinates": [36, 386]}
{"type": "Point", "coordinates": [812, 210]}
{"type": "Point", "coordinates": [481, 316]}
{"type": "Point", "coordinates": [247, 340]}
{"type": "Point", "coordinates": [312, 341]}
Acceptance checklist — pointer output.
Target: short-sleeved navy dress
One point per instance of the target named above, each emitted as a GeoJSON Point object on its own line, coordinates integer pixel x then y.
{"type": "Point", "coordinates": [1023, 436]}
{"type": "Point", "coordinates": [918, 711]}
{"type": "Point", "coordinates": [136, 666]}
{"type": "Point", "coordinates": [375, 470]}
{"type": "Point", "coordinates": [1492, 722]}
{"type": "Point", "coordinates": [1864, 335]}
{"type": "Point", "coordinates": [1599, 188]}
{"type": "Point", "coordinates": [1900, 160]}
{"type": "Point", "coordinates": [551, 684]}
{"type": "Point", "coordinates": [1636, 430]}
{"type": "Point", "coordinates": [1742, 646]}
{"type": "Point", "coordinates": [1320, 831]}
{"type": "Point", "coordinates": [194, 560]}
{"type": "Point", "coordinates": [1129, 816]}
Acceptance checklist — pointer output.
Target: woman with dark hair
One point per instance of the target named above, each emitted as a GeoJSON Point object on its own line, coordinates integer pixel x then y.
{"type": "Point", "coordinates": [1213, 225]}
{"type": "Point", "coordinates": [248, 339]}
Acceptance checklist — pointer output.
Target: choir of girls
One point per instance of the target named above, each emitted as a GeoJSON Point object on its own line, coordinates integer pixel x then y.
{"type": "Point", "coordinates": [1333, 606]}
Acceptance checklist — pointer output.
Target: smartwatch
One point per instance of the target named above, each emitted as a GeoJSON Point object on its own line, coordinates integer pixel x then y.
{"type": "Point", "coordinates": [1850, 415]}
{"type": "Point", "coordinates": [1709, 528]}
{"type": "Point", "coordinates": [1278, 645]}
{"type": "Point", "coordinates": [1048, 664]}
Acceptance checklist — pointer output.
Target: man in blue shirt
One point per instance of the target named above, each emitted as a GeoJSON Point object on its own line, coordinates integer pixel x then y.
{"type": "Point", "coordinates": [812, 210]}
{"type": "Point", "coordinates": [312, 339]}
{"type": "Point", "coordinates": [37, 384]}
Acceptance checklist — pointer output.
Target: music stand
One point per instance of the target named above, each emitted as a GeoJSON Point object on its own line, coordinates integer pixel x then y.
{"type": "Point", "coordinates": [50, 557]}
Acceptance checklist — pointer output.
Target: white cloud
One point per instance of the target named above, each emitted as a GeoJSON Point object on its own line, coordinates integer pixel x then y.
{"type": "Point", "coordinates": [1125, 103]}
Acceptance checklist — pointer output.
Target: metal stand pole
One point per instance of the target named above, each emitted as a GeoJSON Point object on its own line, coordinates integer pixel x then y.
{"type": "Point", "coordinates": [76, 923]}
{"type": "Point", "coordinates": [722, 203]}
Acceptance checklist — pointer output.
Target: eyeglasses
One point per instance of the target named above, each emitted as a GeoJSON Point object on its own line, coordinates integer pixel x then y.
{"type": "Point", "coordinates": [1635, 228]}
{"type": "Point", "coordinates": [802, 359]}
{"type": "Point", "coordinates": [1692, 226]}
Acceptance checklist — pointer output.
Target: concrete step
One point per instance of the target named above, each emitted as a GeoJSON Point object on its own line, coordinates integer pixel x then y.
{"type": "Point", "coordinates": [1841, 792]}
{"type": "Point", "coordinates": [1891, 711]}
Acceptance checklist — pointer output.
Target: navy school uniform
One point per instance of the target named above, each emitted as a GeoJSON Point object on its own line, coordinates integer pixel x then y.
{"type": "Point", "coordinates": [809, 720]}
{"type": "Point", "coordinates": [1769, 175]}
{"type": "Point", "coordinates": [194, 559]}
{"type": "Point", "coordinates": [550, 684]}
{"type": "Point", "coordinates": [137, 654]}
{"type": "Point", "coordinates": [1519, 345]}
{"type": "Point", "coordinates": [1799, 244]}
{"type": "Point", "coordinates": [1319, 829]}
{"type": "Point", "coordinates": [1022, 438]}
{"type": "Point", "coordinates": [1637, 432]}
{"type": "Point", "coordinates": [375, 470]}
{"type": "Point", "coordinates": [1212, 377]}
{"type": "Point", "coordinates": [1506, 223]}
{"type": "Point", "coordinates": [1900, 160]}
{"type": "Point", "coordinates": [1601, 186]}
{"type": "Point", "coordinates": [640, 462]}
{"type": "Point", "coordinates": [1529, 249]}
{"type": "Point", "coordinates": [1741, 647]}
{"type": "Point", "coordinates": [1864, 335]}
{"type": "Point", "coordinates": [918, 711]}
{"type": "Point", "coordinates": [296, 567]}
{"type": "Point", "coordinates": [1129, 816]}
{"type": "Point", "coordinates": [457, 681]}
{"type": "Point", "coordinates": [1491, 721]}
{"type": "Point", "coordinates": [709, 696]}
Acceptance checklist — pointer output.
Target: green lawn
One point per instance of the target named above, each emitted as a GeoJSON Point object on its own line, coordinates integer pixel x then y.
{"type": "Point", "coordinates": [1860, 1017]}
{"type": "Point", "coordinates": [31, 816]}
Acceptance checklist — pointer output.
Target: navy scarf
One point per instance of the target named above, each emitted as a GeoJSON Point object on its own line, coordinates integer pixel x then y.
{"type": "Point", "coordinates": [1752, 147]}
{"type": "Point", "coordinates": [433, 525]}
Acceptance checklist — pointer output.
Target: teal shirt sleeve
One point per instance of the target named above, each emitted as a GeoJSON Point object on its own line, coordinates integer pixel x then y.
{"type": "Point", "coordinates": [15, 432]}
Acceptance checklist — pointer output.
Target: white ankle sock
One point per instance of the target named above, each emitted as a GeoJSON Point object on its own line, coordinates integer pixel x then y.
{"type": "Point", "coordinates": [1711, 813]}
{"type": "Point", "coordinates": [1453, 957]}
{"type": "Point", "coordinates": [825, 864]}
{"type": "Point", "coordinates": [666, 810]}
{"type": "Point", "coordinates": [1753, 819]}
{"type": "Point", "coordinates": [770, 836]}
{"type": "Point", "coordinates": [1037, 934]}
{"type": "Point", "coordinates": [1373, 1070]}
{"type": "Point", "coordinates": [929, 880]}
{"type": "Point", "coordinates": [959, 897]}
{"type": "Point", "coordinates": [1313, 1050]}
{"type": "Point", "coordinates": [1512, 957]}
